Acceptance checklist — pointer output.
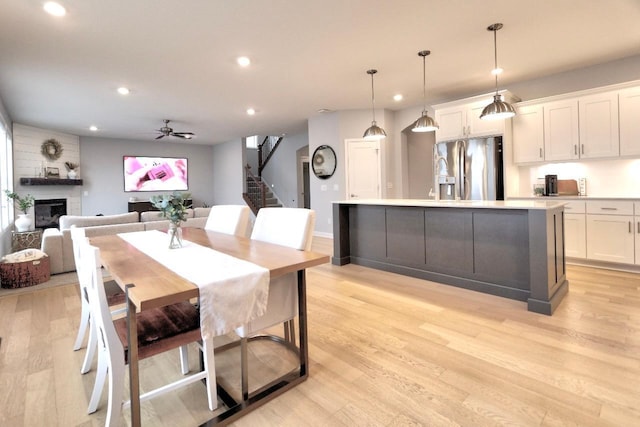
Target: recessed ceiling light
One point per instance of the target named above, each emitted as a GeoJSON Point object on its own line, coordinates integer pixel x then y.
{"type": "Point", "coordinates": [324, 110]}
{"type": "Point", "coordinates": [397, 97]}
{"type": "Point", "coordinates": [123, 91]}
{"type": "Point", "coordinates": [497, 71]}
{"type": "Point", "coordinates": [93, 128]}
{"type": "Point", "coordinates": [55, 9]}
{"type": "Point", "coordinates": [243, 61]}
{"type": "Point", "coordinates": [251, 111]}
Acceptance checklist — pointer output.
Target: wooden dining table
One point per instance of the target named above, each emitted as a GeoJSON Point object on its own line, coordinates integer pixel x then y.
{"type": "Point", "coordinates": [149, 284]}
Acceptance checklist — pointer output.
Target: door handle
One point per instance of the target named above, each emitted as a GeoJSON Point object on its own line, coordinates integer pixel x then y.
{"type": "Point", "coordinates": [609, 209]}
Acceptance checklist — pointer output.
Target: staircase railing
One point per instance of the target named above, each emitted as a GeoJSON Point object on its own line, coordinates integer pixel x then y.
{"type": "Point", "coordinates": [255, 195]}
{"type": "Point", "coordinates": [266, 150]}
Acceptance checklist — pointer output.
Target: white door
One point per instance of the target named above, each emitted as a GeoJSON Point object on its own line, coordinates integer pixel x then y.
{"type": "Point", "coordinates": [363, 169]}
{"type": "Point", "coordinates": [561, 141]}
{"type": "Point", "coordinates": [610, 238]}
{"type": "Point", "coordinates": [575, 235]}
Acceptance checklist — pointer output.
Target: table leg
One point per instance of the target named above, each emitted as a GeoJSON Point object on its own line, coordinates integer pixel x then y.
{"type": "Point", "coordinates": [302, 320]}
{"type": "Point", "coordinates": [134, 379]}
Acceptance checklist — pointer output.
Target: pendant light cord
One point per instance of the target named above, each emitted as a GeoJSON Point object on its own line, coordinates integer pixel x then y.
{"type": "Point", "coordinates": [424, 83]}
{"type": "Point", "coordinates": [495, 55]}
{"type": "Point", "coordinates": [373, 101]}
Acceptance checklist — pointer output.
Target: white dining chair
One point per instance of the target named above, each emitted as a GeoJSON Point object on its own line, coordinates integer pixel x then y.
{"type": "Point", "coordinates": [182, 319]}
{"type": "Point", "coordinates": [115, 297]}
{"type": "Point", "coordinates": [291, 227]}
{"type": "Point", "coordinates": [229, 219]}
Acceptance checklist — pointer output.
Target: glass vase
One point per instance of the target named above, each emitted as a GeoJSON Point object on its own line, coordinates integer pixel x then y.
{"type": "Point", "coordinates": [175, 236]}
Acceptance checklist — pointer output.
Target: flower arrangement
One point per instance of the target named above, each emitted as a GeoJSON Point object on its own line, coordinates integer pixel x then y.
{"type": "Point", "coordinates": [71, 166]}
{"type": "Point", "coordinates": [172, 206]}
{"type": "Point", "coordinates": [24, 203]}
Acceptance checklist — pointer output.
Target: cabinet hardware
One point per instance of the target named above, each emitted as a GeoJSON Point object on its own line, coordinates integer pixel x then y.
{"type": "Point", "coordinates": [630, 228]}
{"type": "Point", "coordinates": [581, 148]}
{"type": "Point", "coordinates": [638, 227]}
{"type": "Point", "coordinates": [575, 149]}
{"type": "Point", "coordinates": [609, 209]}
{"type": "Point", "coordinates": [541, 153]}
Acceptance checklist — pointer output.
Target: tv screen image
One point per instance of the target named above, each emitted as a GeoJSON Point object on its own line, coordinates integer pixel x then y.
{"type": "Point", "coordinates": [155, 174]}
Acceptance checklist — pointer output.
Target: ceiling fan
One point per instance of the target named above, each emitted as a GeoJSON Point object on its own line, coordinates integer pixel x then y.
{"type": "Point", "coordinates": [167, 131]}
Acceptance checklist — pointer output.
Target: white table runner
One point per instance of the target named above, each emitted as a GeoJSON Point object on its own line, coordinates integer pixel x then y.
{"type": "Point", "coordinates": [232, 291]}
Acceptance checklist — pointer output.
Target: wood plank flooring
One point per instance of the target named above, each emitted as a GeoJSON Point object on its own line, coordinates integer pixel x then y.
{"type": "Point", "coordinates": [385, 350]}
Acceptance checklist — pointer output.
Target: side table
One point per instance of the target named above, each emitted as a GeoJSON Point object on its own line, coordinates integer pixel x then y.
{"type": "Point", "coordinates": [26, 240]}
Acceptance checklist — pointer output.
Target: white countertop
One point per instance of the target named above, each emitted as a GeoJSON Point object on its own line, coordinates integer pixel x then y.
{"type": "Point", "coordinates": [488, 204]}
{"type": "Point", "coordinates": [574, 198]}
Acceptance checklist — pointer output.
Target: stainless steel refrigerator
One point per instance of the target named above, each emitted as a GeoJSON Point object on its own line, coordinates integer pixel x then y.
{"type": "Point", "coordinates": [469, 169]}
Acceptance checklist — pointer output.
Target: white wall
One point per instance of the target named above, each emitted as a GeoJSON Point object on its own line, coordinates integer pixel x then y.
{"type": "Point", "coordinates": [605, 178]}
{"type": "Point", "coordinates": [101, 168]}
{"type": "Point", "coordinates": [281, 171]}
{"type": "Point", "coordinates": [228, 173]}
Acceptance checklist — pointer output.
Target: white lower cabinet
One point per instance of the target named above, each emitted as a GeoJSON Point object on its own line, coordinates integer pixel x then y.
{"type": "Point", "coordinates": [611, 232]}
{"type": "Point", "coordinates": [575, 230]}
{"type": "Point", "coordinates": [575, 235]}
{"type": "Point", "coordinates": [637, 229]}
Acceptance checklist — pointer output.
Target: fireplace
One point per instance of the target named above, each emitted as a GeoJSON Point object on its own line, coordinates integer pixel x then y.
{"type": "Point", "coordinates": [48, 212]}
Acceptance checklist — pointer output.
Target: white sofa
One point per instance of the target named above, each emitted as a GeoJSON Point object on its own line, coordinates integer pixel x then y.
{"type": "Point", "coordinates": [57, 244]}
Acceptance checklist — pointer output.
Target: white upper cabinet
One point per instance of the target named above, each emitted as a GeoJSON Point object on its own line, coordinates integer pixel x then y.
{"type": "Point", "coordinates": [458, 120]}
{"type": "Point", "coordinates": [629, 100]}
{"type": "Point", "coordinates": [528, 134]}
{"type": "Point", "coordinates": [561, 140]}
{"type": "Point", "coordinates": [452, 123]}
{"type": "Point", "coordinates": [599, 136]}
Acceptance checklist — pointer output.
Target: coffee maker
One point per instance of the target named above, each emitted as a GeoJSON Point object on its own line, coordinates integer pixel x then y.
{"type": "Point", "coordinates": [551, 185]}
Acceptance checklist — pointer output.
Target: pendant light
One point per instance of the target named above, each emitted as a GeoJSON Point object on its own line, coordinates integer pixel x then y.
{"type": "Point", "coordinates": [424, 123]}
{"type": "Point", "coordinates": [374, 131]}
{"type": "Point", "coordinates": [498, 109]}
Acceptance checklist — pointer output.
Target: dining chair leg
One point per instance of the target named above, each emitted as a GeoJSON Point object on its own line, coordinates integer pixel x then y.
{"type": "Point", "coordinates": [98, 385]}
{"type": "Point", "coordinates": [184, 359]}
{"type": "Point", "coordinates": [116, 391]}
{"type": "Point", "coordinates": [92, 345]}
{"type": "Point", "coordinates": [290, 332]}
{"type": "Point", "coordinates": [210, 367]}
{"type": "Point", "coordinates": [82, 330]}
{"type": "Point", "coordinates": [244, 368]}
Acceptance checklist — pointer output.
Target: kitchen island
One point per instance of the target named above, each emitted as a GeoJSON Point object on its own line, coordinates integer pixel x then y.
{"type": "Point", "coordinates": [513, 249]}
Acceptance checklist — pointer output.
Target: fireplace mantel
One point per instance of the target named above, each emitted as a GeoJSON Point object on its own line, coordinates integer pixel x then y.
{"type": "Point", "coordinates": [50, 181]}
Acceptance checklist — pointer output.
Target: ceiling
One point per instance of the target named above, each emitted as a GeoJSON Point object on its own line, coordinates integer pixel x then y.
{"type": "Point", "coordinates": [179, 58]}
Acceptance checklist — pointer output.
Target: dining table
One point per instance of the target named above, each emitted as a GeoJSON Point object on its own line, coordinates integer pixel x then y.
{"type": "Point", "coordinates": [149, 284]}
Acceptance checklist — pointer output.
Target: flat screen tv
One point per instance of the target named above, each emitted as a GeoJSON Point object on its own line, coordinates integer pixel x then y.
{"type": "Point", "coordinates": [155, 174]}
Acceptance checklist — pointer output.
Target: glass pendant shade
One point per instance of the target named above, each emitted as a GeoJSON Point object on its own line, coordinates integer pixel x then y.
{"type": "Point", "coordinates": [424, 123]}
{"type": "Point", "coordinates": [498, 109]}
{"type": "Point", "coordinates": [374, 131]}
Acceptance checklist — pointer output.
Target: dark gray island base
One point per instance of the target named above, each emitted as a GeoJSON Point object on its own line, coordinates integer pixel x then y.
{"type": "Point", "coordinates": [513, 249]}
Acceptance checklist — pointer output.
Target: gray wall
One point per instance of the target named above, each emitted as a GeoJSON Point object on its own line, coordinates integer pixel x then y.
{"type": "Point", "coordinates": [420, 163]}
{"type": "Point", "coordinates": [282, 173]}
{"type": "Point", "coordinates": [228, 173]}
{"type": "Point", "coordinates": [102, 171]}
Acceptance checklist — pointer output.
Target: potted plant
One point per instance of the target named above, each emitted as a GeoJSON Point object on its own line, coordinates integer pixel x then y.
{"type": "Point", "coordinates": [174, 208]}
{"type": "Point", "coordinates": [71, 169]}
{"type": "Point", "coordinates": [23, 222]}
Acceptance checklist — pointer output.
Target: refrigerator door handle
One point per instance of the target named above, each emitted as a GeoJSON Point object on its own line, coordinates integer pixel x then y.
{"type": "Point", "coordinates": [461, 165]}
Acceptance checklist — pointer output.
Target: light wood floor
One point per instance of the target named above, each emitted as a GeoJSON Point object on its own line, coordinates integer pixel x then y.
{"type": "Point", "coordinates": [386, 350]}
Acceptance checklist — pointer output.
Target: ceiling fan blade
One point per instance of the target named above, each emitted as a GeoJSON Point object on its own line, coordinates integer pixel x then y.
{"type": "Point", "coordinates": [160, 136]}
{"type": "Point", "coordinates": [183, 134]}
